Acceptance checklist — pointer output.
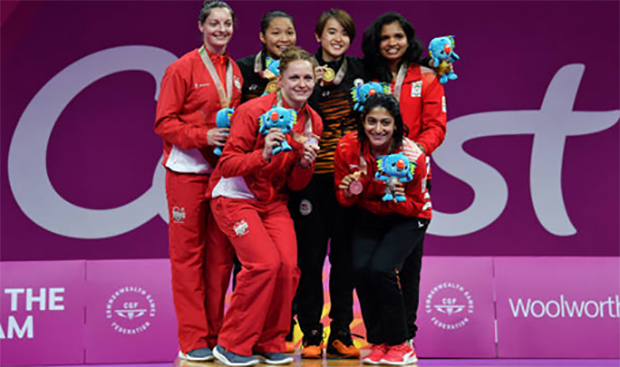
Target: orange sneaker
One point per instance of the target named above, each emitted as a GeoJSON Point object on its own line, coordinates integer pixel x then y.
{"type": "Point", "coordinates": [340, 345]}
{"type": "Point", "coordinates": [312, 346]}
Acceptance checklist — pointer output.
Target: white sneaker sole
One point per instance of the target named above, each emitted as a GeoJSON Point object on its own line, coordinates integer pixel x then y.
{"type": "Point", "coordinates": [190, 358]}
{"type": "Point", "coordinates": [220, 357]}
{"type": "Point", "coordinates": [408, 360]}
{"type": "Point", "coordinates": [368, 361]}
{"type": "Point", "coordinates": [288, 360]}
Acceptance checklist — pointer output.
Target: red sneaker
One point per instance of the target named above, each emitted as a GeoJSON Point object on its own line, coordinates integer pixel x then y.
{"type": "Point", "coordinates": [400, 355]}
{"type": "Point", "coordinates": [376, 354]}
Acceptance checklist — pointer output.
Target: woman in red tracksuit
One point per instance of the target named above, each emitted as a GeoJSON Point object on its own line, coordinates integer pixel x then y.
{"type": "Point", "coordinates": [392, 55]}
{"type": "Point", "coordinates": [249, 201]}
{"type": "Point", "coordinates": [193, 90]}
{"type": "Point", "coordinates": [379, 248]}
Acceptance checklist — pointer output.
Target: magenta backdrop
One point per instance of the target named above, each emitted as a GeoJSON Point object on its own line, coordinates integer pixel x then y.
{"type": "Point", "coordinates": [129, 312]}
{"type": "Point", "coordinates": [530, 165]}
{"type": "Point", "coordinates": [39, 302]}
{"type": "Point", "coordinates": [558, 307]}
{"type": "Point", "coordinates": [456, 311]}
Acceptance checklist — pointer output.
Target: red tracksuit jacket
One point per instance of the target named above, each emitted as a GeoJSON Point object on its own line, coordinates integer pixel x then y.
{"type": "Point", "coordinates": [423, 107]}
{"type": "Point", "coordinates": [242, 159]}
{"type": "Point", "coordinates": [188, 103]}
{"type": "Point", "coordinates": [347, 161]}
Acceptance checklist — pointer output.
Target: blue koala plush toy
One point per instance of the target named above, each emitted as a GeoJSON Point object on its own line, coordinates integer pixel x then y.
{"type": "Point", "coordinates": [222, 119]}
{"type": "Point", "coordinates": [271, 72]}
{"type": "Point", "coordinates": [281, 118]}
{"type": "Point", "coordinates": [441, 50]}
{"type": "Point", "coordinates": [391, 169]}
{"type": "Point", "coordinates": [360, 92]}
{"type": "Point", "coordinates": [273, 66]}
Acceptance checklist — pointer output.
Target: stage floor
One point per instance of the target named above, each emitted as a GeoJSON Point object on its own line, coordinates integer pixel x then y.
{"type": "Point", "coordinates": [422, 363]}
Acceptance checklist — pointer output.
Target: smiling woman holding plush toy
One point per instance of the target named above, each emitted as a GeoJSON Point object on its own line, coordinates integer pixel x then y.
{"type": "Point", "coordinates": [249, 203]}
{"type": "Point", "coordinates": [387, 213]}
{"type": "Point", "coordinates": [392, 55]}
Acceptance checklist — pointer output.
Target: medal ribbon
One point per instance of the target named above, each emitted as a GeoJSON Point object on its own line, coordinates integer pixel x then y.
{"type": "Point", "coordinates": [225, 96]}
{"type": "Point", "coordinates": [400, 77]}
{"type": "Point", "coordinates": [258, 65]}
{"type": "Point", "coordinates": [363, 165]}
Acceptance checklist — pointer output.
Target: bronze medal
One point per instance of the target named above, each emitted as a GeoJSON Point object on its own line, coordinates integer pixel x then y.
{"type": "Point", "coordinates": [356, 187]}
{"type": "Point", "coordinates": [329, 75]}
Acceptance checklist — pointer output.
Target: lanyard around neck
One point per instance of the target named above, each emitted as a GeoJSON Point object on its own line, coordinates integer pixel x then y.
{"type": "Point", "coordinates": [225, 95]}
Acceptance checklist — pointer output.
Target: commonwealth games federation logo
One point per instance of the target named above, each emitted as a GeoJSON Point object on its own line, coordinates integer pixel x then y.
{"type": "Point", "coordinates": [130, 310]}
{"type": "Point", "coordinates": [450, 306]}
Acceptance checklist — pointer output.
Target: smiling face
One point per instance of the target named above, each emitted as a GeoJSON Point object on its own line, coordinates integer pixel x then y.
{"type": "Point", "coordinates": [296, 82]}
{"type": "Point", "coordinates": [217, 30]}
{"type": "Point", "coordinates": [278, 36]}
{"type": "Point", "coordinates": [379, 127]}
{"type": "Point", "coordinates": [393, 43]}
{"type": "Point", "coordinates": [334, 40]}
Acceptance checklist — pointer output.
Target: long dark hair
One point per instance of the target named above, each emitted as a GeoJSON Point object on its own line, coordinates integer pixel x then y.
{"type": "Point", "coordinates": [390, 103]}
{"type": "Point", "coordinates": [374, 63]}
{"type": "Point", "coordinates": [209, 5]}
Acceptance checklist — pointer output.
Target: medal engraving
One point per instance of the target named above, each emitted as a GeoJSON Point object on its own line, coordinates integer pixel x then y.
{"type": "Point", "coordinates": [329, 75]}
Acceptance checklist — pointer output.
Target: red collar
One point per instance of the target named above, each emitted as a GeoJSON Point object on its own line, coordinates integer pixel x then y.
{"type": "Point", "coordinates": [217, 58]}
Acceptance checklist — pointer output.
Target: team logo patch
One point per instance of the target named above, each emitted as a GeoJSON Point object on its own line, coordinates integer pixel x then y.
{"type": "Point", "coordinates": [449, 305]}
{"type": "Point", "coordinates": [305, 207]}
{"type": "Point", "coordinates": [237, 83]}
{"type": "Point", "coordinates": [178, 214]}
{"type": "Point", "coordinates": [241, 228]}
{"type": "Point", "coordinates": [130, 310]}
{"type": "Point", "coordinates": [416, 89]}
{"type": "Point", "coordinates": [443, 104]}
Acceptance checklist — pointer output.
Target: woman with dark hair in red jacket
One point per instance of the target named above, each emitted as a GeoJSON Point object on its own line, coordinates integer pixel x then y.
{"type": "Point", "coordinates": [392, 55]}
{"type": "Point", "coordinates": [379, 251]}
{"type": "Point", "coordinates": [249, 201]}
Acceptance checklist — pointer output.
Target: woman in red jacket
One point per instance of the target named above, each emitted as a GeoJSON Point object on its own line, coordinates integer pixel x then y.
{"type": "Point", "coordinates": [392, 55]}
{"type": "Point", "coordinates": [379, 250]}
{"type": "Point", "coordinates": [249, 201]}
{"type": "Point", "coordinates": [193, 90]}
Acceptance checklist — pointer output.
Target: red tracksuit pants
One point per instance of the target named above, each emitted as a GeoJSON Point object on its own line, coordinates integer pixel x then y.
{"type": "Point", "coordinates": [201, 261]}
{"type": "Point", "coordinates": [262, 234]}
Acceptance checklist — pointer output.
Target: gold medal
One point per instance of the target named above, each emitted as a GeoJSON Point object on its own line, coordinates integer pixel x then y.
{"type": "Point", "coordinates": [329, 75]}
{"type": "Point", "coordinates": [271, 87]}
